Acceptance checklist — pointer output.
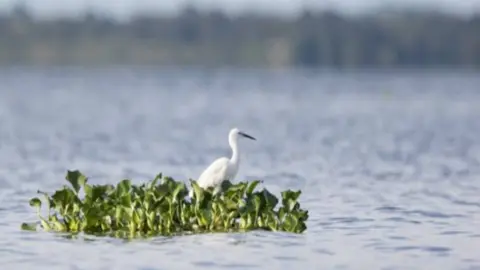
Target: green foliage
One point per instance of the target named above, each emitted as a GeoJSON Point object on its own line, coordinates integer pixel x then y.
{"type": "Point", "coordinates": [158, 207]}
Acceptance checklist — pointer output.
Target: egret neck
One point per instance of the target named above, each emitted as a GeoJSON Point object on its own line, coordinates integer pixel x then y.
{"type": "Point", "coordinates": [233, 141]}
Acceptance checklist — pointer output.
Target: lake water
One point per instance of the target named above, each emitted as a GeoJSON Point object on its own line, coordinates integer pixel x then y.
{"type": "Point", "coordinates": [388, 162]}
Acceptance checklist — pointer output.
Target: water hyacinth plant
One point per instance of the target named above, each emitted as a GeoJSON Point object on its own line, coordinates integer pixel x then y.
{"type": "Point", "coordinates": [159, 207]}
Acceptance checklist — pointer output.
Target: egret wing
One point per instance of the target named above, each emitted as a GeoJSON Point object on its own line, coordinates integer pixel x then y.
{"type": "Point", "coordinates": [214, 174]}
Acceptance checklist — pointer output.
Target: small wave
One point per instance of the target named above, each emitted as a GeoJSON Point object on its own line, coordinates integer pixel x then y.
{"type": "Point", "coordinates": [452, 232]}
{"type": "Point", "coordinates": [432, 249]}
{"type": "Point", "coordinates": [451, 199]}
{"type": "Point", "coordinates": [416, 212]}
{"type": "Point", "coordinates": [431, 214]}
{"type": "Point", "coordinates": [402, 220]}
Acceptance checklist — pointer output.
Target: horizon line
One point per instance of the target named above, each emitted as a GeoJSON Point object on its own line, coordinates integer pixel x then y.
{"type": "Point", "coordinates": [259, 10]}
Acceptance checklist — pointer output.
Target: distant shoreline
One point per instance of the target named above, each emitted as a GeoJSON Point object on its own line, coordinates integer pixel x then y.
{"type": "Point", "coordinates": [212, 39]}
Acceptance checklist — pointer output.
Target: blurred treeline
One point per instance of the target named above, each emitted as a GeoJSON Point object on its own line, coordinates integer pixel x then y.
{"type": "Point", "coordinates": [315, 39]}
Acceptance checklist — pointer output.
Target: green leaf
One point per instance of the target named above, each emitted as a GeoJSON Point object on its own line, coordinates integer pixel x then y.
{"type": "Point", "coordinates": [291, 195]}
{"type": "Point", "coordinates": [93, 215]}
{"type": "Point", "coordinates": [232, 215]}
{"type": "Point", "coordinates": [281, 213]}
{"type": "Point", "coordinates": [35, 202]}
{"type": "Point", "coordinates": [147, 201]}
{"type": "Point", "coordinates": [123, 187]}
{"type": "Point", "coordinates": [105, 223]}
{"type": "Point", "coordinates": [155, 180]}
{"type": "Point", "coordinates": [222, 207]}
{"type": "Point", "coordinates": [150, 220]}
{"type": "Point", "coordinates": [272, 226]}
{"type": "Point", "coordinates": [292, 205]}
{"type": "Point", "coordinates": [260, 222]}
{"type": "Point", "coordinates": [230, 204]}
{"type": "Point", "coordinates": [71, 224]}
{"type": "Point", "coordinates": [301, 227]}
{"type": "Point", "coordinates": [252, 187]}
{"type": "Point", "coordinates": [76, 179]}
{"type": "Point", "coordinates": [57, 225]}
{"type": "Point", "coordinates": [63, 198]}
{"type": "Point", "coordinates": [178, 191]}
{"type": "Point", "coordinates": [205, 217]}
{"type": "Point", "coordinates": [118, 214]}
{"type": "Point", "coordinates": [128, 214]}
{"type": "Point", "coordinates": [241, 203]}
{"type": "Point", "coordinates": [45, 224]}
{"type": "Point", "coordinates": [198, 191]}
{"type": "Point", "coordinates": [29, 226]}
{"type": "Point", "coordinates": [126, 200]}
{"type": "Point", "coordinates": [160, 192]}
{"type": "Point", "coordinates": [168, 181]}
{"type": "Point", "coordinates": [257, 203]}
{"type": "Point", "coordinates": [270, 200]}
{"type": "Point", "coordinates": [236, 191]}
{"type": "Point", "coordinates": [75, 208]}
{"type": "Point", "coordinates": [48, 200]}
{"type": "Point", "coordinates": [250, 220]}
{"type": "Point", "coordinates": [289, 200]}
{"type": "Point", "coordinates": [243, 222]}
{"type": "Point", "coordinates": [272, 221]}
{"type": "Point", "coordinates": [88, 191]}
{"type": "Point", "coordinates": [136, 218]}
{"type": "Point", "coordinates": [225, 185]}
{"type": "Point", "coordinates": [302, 215]}
{"type": "Point", "coordinates": [290, 223]}
{"type": "Point", "coordinates": [96, 192]}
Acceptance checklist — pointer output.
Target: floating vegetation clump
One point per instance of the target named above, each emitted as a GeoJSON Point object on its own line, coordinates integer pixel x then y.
{"type": "Point", "coordinates": [159, 207]}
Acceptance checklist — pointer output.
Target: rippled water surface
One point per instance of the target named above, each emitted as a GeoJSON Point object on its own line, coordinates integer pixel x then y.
{"type": "Point", "coordinates": [388, 162]}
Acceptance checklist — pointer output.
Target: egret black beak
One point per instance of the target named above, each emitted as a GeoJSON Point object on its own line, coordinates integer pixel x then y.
{"type": "Point", "coordinates": [247, 136]}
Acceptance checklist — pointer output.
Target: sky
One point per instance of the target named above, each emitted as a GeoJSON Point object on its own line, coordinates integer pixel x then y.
{"type": "Point", "coordinates": [124, 8]}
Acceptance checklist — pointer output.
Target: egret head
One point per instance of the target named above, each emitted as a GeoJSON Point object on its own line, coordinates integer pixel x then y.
{"type": "Point", "coordinates": [235, 132]}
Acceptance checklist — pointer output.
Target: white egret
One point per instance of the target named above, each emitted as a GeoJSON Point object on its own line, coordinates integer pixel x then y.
{"type": "Point", "coordinates": [223, 168]}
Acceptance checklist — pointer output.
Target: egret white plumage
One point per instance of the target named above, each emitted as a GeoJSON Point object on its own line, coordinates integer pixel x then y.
{"type": "Point", "coordinates": [223, 168]}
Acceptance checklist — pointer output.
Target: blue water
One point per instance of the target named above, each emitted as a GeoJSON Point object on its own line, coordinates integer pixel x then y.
{"type": "Point", "coordinates": [388, 162]}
